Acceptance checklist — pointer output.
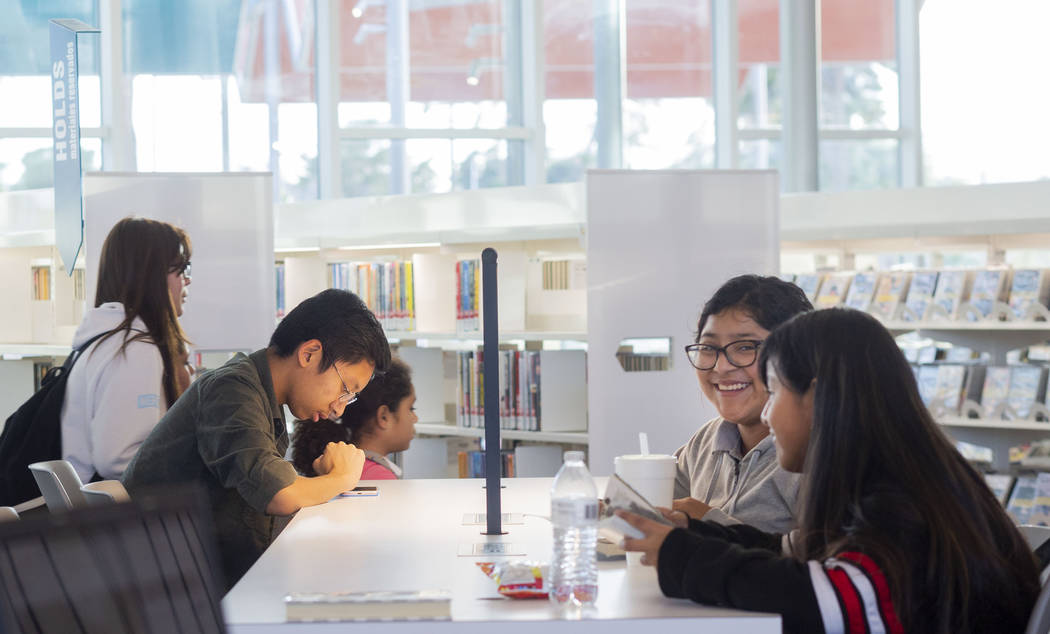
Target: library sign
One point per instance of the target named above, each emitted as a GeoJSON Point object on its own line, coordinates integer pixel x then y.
{"type": "Point", "coordinates": [65, 131]}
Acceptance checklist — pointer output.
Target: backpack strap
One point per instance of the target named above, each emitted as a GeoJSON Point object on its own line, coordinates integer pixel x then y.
{"type": "Point", "coordinates": [79, 350]}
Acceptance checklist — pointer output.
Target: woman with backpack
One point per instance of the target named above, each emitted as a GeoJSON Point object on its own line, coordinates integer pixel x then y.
{"type": "Point", "coordinates": [125, 380]}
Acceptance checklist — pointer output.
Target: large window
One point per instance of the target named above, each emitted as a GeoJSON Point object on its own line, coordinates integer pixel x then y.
{"type": "Point", "coordinates": [984, 91]}
{"type": "Point", "coordinates": [440, 95]}
{"type": "Point", "coordinates": [200, 98]}
{"type": "Point", "coordinates": [414, 69]}
{"type": "Point", "coordinates": [859, 105]}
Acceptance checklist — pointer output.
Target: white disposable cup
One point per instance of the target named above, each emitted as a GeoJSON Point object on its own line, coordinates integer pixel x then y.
{"type": "Point", "coordinates": [652, 476]}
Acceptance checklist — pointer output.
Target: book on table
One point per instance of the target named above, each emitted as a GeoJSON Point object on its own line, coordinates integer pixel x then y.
{"type": "Point", "coordinates": [369, 606]}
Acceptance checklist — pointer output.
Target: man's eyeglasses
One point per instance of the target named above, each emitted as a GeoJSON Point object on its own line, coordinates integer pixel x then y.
{"type": "Point", "coordinates": [740, 354]}
{"type": "Point", "coordinates": [347, 396]}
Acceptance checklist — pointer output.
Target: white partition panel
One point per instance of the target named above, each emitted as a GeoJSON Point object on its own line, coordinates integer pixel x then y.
{"type": "Point", "coordinates": [229, 218]}
{"type": "Point", "coordinates": [658, 244]}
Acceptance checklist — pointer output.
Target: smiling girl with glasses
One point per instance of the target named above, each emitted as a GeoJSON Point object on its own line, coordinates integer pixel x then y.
{"type": "Point", "coordinates": [728, 470]}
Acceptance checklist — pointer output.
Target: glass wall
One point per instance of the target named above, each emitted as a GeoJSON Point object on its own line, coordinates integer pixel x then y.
{"type": "Point", "coordinates": [437, 96]}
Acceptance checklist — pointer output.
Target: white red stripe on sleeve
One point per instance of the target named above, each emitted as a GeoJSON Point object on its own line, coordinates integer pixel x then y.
{"type": "Point", "coordinates": [853, 596]}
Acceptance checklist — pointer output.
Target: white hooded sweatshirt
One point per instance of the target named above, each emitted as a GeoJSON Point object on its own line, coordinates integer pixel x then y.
{"type": "Point", "coordinates": [113, 398]}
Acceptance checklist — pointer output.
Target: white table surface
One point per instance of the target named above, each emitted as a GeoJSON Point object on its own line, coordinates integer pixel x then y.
{"type": "Point", "coordinates": [409, 537]}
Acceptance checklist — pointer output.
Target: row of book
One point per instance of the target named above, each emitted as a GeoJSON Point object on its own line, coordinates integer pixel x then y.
{"type": "Point", "coordinates": [42, 282]}
{"type": "Point", "coordinates": [386, 287]}
{"type": "Point", "coordinates": [472, 464]}
{"type": "Point", "coordinates": [922, 295]}
{"type": "Point", "coordinates": [1011, 392]}
{"type": "Point", "coordinates": [519, 398]}
{"type": "Point", "coordinates": [468, 295]}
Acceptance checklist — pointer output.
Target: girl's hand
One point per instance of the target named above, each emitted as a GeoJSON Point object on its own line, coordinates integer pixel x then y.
{"type": "Point", "coordinates": [678, 518]}
{"type": "Point", "coordinates": [692, 507]}
{"type": "Point", "coordinates": [649, 546]}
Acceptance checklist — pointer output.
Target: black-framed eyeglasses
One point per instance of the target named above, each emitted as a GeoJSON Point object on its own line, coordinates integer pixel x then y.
{"type": "Point", "coordinates": [182, 269]}
{"type": "Point", "coordinates": [740, 354]}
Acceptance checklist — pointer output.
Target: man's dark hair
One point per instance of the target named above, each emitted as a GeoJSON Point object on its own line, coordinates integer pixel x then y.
{"type": "Point", "coordinates": [347, 330]}
{"type": "Point", "coordinates": [768, 300]}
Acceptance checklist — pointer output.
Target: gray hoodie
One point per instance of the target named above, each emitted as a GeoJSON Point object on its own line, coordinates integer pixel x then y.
{"type": "Point", "coordinates": [742, 489]}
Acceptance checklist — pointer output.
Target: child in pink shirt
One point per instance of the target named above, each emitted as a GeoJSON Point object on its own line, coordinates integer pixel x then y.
{"type": "Point", "coordinates": [381, 421]}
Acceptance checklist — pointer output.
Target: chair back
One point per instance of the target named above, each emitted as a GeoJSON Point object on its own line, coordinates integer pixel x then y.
{"type": "Point", "coordinates": [105, 492]}
{"type": "Point", "coordinates": [8, 514]}
{"type": "Point", "coordinates": [149, 565]}
{"type": "Point", "coordinates": [1039, 621]}
{"type": "Point", "coordinates": [60, 484]}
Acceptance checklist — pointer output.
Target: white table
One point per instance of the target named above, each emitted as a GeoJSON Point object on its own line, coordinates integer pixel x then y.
{"type": "Point", "coordinates": [409, 537]}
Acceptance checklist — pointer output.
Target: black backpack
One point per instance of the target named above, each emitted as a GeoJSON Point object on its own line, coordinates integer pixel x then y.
{"type": "Point", "coordinates": [34, 432]}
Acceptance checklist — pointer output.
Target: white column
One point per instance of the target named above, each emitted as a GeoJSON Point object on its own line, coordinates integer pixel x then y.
{"type": "Point", "coordinates": [910, 92]}
{"type": "Point", "coordinates": [800, 85]}
{"type": "Point", "coordinates": [725, 44]}
{"type": "Point", "coordinates": [513, 86]}
{"type": "Point", "coordinates": [329, 46]}
{"type": "Point", "coordinates": [118, 141]}
{"type": "Point", "coordinates": [610, 84]}
{"type": "Point", "coordinates": [397, 90]}
{"type": "Point", "coordinates": [533, 90]}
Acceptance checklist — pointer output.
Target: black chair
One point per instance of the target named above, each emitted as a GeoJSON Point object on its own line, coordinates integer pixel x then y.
{"type": "Point", "coordinates": [149, 565]}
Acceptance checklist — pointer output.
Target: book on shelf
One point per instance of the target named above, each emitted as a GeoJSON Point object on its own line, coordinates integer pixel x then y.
{"type": "Point", "coordinates": [387, 288]}
{"type": "Point", "coordinates": [42, 283]}
{"type": "Point", "coordinates": [862, 290]}
{"type": "Point", "coordinates": [278, 273]}
{"type": "Point", "coordinates": [920, 294]}
{"type": "Point", "coordinates": [810, 284]}
{"type": "Point", "coordinates": [926, 354]}
{"type": "Point", "coordinates": [1027, 387]}
{"type": "Point", "coordinates": [1022, 499]}
{"type": "Point", "coordinates": [927, 377]}
{"type": "Point", "coordinates": [989, 288]}
{"type": "Point", "coordinates": [468, 295]}
{"type": "Point", "coordinates": [368, 606]}
{"type": "Point", "coordinates": [1000, 484]}
{"type": "Point", "coordinates": [951, 386]}
{"type": "Point", "coordinates": [953, 288]}
{"type": "Point", "coordinates": [1040, 514]}
{"type": "Point", "coordinates": [890, 291]}
{"type": "Point", "coordinates": [833, 291]}
{"type": "Point", "coordinates": [1028, 287]}
{"type": "Point", "coordinates": [995, 390]}
{"type": "Point", "coordinates": [471, 464]}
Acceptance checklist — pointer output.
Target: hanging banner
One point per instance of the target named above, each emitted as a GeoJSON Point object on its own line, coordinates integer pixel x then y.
{"type": "Point", "coordinates": [65, 131]}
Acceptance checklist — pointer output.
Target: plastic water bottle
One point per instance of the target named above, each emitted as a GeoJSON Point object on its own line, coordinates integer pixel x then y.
{"type": "Point", "coordinates": [574, 515]}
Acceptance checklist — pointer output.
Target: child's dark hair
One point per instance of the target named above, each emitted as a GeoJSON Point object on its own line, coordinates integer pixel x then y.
{"type": "Point", "coordinates": [358, 421]}
{"type": "Point", "coordinates": [881, 476]}
{"type": "Point", "coordinates": [768, 300]}
{"type": "Point", "coordinates": [347, 330]}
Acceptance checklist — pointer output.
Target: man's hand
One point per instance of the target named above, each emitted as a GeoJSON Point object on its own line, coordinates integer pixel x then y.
{"type": "Point", "coordinates": [649, 546]}
{"type": "Point", "coordinates": [340, 459]}
{"type": "Point", "coordinates": [692, 507]}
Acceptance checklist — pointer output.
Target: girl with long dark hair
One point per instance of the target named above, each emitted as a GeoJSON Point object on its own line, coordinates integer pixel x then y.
{"type": "Point", "coordinates": [896, 533]}
{"type": "Point", "coordinates": [130, 376]}
{"type": "Point", "coordinates": [381, 421]}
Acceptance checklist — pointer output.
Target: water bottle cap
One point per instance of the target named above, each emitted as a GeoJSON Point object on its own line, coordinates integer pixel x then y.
{"type": "Point", "coordinates": [573, 456]}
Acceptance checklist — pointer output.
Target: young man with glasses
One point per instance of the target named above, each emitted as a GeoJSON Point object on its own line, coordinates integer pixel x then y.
{"type": "Point", "coordinates": [227, 433]}
{"type": "Point", "coordinates": [728, 471]}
